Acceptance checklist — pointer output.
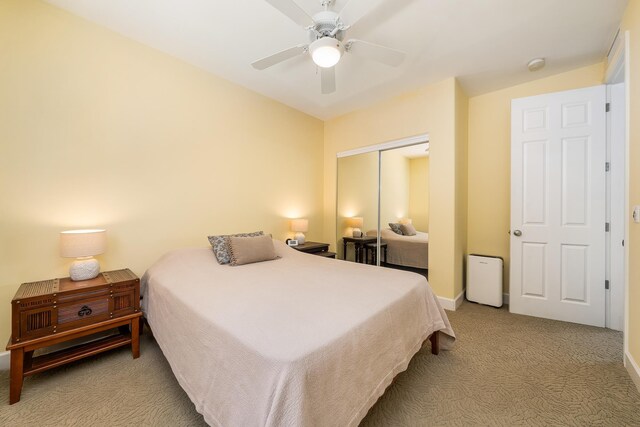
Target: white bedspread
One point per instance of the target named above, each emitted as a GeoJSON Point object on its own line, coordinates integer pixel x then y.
{"type": "Point", "coordinates": [299, 341]}
{"type": "Point", "coordinates": [410, 251]}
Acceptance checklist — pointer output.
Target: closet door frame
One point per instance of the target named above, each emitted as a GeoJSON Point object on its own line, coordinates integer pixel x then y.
{"type": "Point", "coordinates": [385, 146]}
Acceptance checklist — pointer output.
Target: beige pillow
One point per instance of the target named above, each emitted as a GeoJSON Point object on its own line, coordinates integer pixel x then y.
{"type": "Point", "coordinates": [408, 229]}
{"type": "Point", "coordinates": [246, 250]}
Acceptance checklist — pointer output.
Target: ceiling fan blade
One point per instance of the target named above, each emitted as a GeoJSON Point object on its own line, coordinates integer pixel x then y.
{"type": "Point", "coordinates": [293, 12]}
{"type": "Point", "coordinates": [276, 58]}
{"type": "Point", "coordinates": [356, 9]}
{"type": "Point", "coordinates": [328, 80]}
{"type": "Point", "coordinates": [383, 54]}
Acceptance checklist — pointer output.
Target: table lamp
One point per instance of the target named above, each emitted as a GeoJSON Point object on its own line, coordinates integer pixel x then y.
{"type": "Point", "coordinates": [300, 226]}
{"type": "Point", "coordinates": [83, 245]}
{"type": "Point", "coordinates": [356, 223]}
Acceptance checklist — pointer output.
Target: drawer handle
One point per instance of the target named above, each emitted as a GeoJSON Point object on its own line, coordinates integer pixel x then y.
{"type": "Point", "coordinates": [84, 311]}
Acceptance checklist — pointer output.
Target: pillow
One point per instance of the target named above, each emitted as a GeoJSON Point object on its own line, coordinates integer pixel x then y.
{"type": "Point", "coordinates": [247, 250]}
{"type": "Point", "coordinates": [221, 246]}
{"type": "Point", "coordinates": [395, 228]}
{"type": "Point", "coordinates": [408, 229]}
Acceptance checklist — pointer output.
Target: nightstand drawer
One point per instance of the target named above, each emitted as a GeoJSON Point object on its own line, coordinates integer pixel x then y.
{"type": "Point", "coordinates": [76, 314]}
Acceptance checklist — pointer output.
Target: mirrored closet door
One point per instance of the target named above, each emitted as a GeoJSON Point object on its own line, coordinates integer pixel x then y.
{"type": "Point", "coordinates": [383, 207]}
{"type": "Point", "coordinates": [357, 206]}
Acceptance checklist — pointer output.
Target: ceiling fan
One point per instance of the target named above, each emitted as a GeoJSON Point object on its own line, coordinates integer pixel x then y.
{"type": "Point", "coordinates": [326, 32]}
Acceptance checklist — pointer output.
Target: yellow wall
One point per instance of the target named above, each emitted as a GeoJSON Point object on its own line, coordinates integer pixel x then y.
{"type": "Point", "coordinates": [631, 23]}
{"type": "Point", "coordinates": [419, 193]}
{"type": "Point", "coordinates": [357, 194]}
{"type": "Point", "coordinates": [490, 158]}
{"type": "Point", "coordinates": [394, 187]}
{"type": "Point", "coordinates": [461, 172]}
{"type": "Point", "coordinates": [97, 130]}
{"type": "Point", "coordinates": [431, 110]}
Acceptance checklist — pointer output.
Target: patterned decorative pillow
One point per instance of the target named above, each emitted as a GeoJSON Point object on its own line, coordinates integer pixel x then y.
{"type": "Point", "coordinates": [395, 227]}
{"type": "Point", "coordinates": [220, 245]}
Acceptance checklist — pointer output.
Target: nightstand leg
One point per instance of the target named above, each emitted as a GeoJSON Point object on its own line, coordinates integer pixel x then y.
{"type": "Point", "coordinates": [17, 375]}
{"type": "Point", "coordinates": [135, 338]}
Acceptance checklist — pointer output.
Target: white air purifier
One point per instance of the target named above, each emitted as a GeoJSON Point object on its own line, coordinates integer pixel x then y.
{"type": "Point", "coordinates": [484, 280]}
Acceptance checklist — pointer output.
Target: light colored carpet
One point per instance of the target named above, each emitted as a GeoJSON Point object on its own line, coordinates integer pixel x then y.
{"type": "Point", "coordinates": [505, 370]}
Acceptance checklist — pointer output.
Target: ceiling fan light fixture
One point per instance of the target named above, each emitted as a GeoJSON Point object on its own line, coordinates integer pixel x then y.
{"type": "Point", "coordinates": [326, 52]}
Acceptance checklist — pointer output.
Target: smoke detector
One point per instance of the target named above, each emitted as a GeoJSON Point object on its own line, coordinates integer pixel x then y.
{"type": "Point", "coordinates": [536, 64]}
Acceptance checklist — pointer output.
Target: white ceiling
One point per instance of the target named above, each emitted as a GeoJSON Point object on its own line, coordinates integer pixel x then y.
{"type": "Point", "coordinates": [485, 43]}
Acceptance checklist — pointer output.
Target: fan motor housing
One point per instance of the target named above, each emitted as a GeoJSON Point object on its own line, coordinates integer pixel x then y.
{"type": "Point", "coordinates": [326, 23]}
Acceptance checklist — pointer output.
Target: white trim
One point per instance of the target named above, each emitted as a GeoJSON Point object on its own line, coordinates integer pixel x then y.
{"type": "Point", "coordinates": [451, 304]}
{"type": "Point", "coordinates": [615, 72]}
{"type": "Point", "coordinates": [627, 95]}
{"type": "Point", "coordinates": [632, 368]}
{"type": "Point", "coordinates": [459, 299]}
{"type": "Point", "coordinates": [403, 142]}
{"type": "Point", "coordinates": [5, 360]}
{"type": "Point", "coordinates": [616, 211]}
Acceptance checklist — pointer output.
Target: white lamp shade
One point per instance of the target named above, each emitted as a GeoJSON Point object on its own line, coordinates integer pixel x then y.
{"type": "Point", "coordinates": [356, 222]}
{"type": "Point", "coordinates": [326, 51]}
{"type": "Point", "coordinates": [300, 225]}
{"type": "Point", "coordinates": [81, 243]}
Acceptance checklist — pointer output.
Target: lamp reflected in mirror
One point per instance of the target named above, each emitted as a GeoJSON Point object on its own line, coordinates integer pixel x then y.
{"type": "Point", "coordinates": [356, 223]}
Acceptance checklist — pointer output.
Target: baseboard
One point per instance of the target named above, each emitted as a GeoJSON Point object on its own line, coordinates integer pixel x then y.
{"type": "Point", "coordinates": [451, 304]}
{"type": "Point", "coordinates": [505, 299]}
{"type": "Point", "coordinates": [633, 369]}
{"type": "Point", "coordinates": [459, 299]}
{"type": "Point", "coordinates": [5, 360]}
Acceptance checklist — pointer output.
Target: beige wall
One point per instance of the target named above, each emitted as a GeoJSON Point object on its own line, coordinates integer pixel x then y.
{"type": "Point", "coordinates": [490, 158]}
{"type": "Point", "coordinates": [631, 23]}
{"type": "Point", "coordinates": [357, 194]}
{"type": "Point", "coordinates": [97, 130]}
{"type": "Point", "coordinates": [419, 193]}
{"type": "Point", "coordinates": [431, 110]}
{"type": "Point", "coordinates": [394, 187]}
{"type": "Point", "coordinates": [461, 169]}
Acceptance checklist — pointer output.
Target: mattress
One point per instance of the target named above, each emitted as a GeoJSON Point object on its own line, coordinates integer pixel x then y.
{"type": "Point", "coordinates": [302, 340]}
{"type": "Point", "coordinates": [409, 251]}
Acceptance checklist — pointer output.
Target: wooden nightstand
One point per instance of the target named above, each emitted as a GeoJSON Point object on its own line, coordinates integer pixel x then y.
{"type": "Point", "coordinates": [54, 311]}
{"type": "Point", "coordinates": [315, 248]}
{"type": "Point", "coordinates": [358, 245]}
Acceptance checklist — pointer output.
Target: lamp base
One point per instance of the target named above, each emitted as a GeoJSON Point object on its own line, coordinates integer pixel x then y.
{"type": "Point", "coordinates": [357, 232]}
{"type": "Point", "coordinates": [299, 237]}
{"type": "Point", "coordinates": [84, 269]}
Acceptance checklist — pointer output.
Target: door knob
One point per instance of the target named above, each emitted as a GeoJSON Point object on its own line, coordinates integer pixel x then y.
{"type": "Point", "coordinates": [517, 233]}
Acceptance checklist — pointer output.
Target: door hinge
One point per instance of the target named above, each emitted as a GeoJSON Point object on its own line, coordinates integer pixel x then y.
{"type": "Point", "coordinates": [606, 284]}
{"type": "Point", "coordinates": [607, 167]}
{"type": "Point", "coordinates": [607, 226]}
{"type": "Point", "coordinates": [607, 107]}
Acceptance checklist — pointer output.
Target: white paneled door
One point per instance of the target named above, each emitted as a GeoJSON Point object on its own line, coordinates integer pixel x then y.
{"type": "Point", "coordinates": [558, 156]}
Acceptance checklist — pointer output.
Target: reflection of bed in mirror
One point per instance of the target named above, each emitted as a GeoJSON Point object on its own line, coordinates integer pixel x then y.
{"type": "Point", "coordinates": [406, 251]}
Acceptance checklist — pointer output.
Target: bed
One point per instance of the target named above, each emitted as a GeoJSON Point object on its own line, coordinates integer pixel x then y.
{"type": "Point", "coordinates": [301, 340]}
{"type": "Point", "coordinates": [408, 251]}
